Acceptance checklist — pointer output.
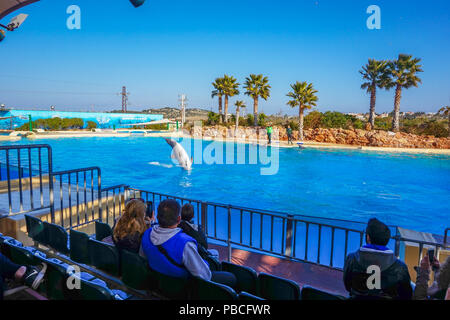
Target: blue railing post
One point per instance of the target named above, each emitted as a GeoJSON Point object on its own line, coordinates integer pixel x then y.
{"type": "Point", "coordinates": [397, 243]}
{"type": "Point", "coordinates": [203, 213]}
{"type": "Point", "coordinates": [50, 183]}
{"type": "Point", "coordinates": [288, 248]}
{"type": "Point", "coordinates": [229, 233]}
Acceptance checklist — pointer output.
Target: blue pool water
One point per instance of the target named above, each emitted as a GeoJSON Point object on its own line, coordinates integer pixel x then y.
{"type": "Point", "coordinates": [412, 191]}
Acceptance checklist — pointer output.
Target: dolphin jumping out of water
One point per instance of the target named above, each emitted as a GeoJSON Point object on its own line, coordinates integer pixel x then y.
{"type": "Point", "coordinates": [180, 154]}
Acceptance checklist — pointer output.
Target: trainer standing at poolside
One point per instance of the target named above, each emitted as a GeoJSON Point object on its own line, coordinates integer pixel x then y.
{"type": "Point", "coordinates": [289, 134]}
{"type": "Point", "coordinates": [269, 134]}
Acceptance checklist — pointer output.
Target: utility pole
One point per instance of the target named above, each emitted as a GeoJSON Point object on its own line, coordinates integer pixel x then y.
{"type": "Point", "coordinates": [124, 95]}
{"type": "Point", "coordinates": [183, 100]}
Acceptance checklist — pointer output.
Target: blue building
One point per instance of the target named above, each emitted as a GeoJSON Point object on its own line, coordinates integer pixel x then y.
{"type": "Point", "coordinates": [102, 119]}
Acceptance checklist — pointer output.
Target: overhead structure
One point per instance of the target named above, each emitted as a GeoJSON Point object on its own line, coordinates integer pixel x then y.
{"type": "Point", "coordinates": [137, 3]}
{"type": "Point", "coordinates": [8, 6]}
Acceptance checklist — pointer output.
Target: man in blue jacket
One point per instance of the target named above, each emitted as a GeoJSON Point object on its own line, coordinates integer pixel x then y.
{"type": "Point", "coordinates": [172, 252]}
{"type": "Point", "coordinates": [360, 268]}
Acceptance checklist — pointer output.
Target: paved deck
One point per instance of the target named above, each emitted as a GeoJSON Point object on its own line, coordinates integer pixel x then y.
{"type": "Point", "coordinates": [303, 273]}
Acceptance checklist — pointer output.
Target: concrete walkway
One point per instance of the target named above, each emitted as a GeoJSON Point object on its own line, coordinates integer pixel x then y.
{"type": "Point", "coordinates": [316, 276]}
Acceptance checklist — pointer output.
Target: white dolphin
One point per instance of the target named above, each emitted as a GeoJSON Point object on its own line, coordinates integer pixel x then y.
{"type": "Point", "coordinates": [180, 154]}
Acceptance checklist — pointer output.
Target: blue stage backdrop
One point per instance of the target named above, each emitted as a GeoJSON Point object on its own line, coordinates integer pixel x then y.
{"type": "Point", "coordinates": [103, 119]}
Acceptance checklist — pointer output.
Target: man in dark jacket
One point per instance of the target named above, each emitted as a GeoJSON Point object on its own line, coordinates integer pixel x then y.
{"type": "Point", "coordinates": [373, 260]}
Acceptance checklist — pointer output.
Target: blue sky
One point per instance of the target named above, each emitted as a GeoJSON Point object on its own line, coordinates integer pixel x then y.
{"type": "Point", "coordinates": [165, 48]}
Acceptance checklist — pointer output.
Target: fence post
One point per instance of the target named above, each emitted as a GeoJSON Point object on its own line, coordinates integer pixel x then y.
{"type": "Point", "coordinates": [229, 233]}
{"type": "Point", "coordinates": [50, 183]}
{"type": "Point", "coordinates": [99, 197]}
{"type": "Point", "coordinates": [397, 243]}
{"type": "Point", "coordinates": [203, 213]}
{"type": "Point", "coordinates": [288, 249]}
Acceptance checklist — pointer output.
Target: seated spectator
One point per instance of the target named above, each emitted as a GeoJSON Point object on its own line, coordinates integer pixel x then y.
{"type": "Point", "coordinates": [440, 289]}
{"type": "Point", "coordinates": [28, 275]}
{"type": "Point", "coordinates": [128, 230]}
{"type": "Point", "coordinates": [395, 282]}
{"type": "Point", "coordinates": [172, 252]}
{"type": "Point", "coordinates": [193, 230]}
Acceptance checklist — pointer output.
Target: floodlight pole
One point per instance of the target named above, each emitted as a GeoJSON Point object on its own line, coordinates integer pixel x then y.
{"type": "Point", "coordinates": [183, 109]}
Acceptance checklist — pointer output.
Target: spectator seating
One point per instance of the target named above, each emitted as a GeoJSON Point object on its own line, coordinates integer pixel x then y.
{"type": "Point", "coordinates": [135, 272]}
{"type": "Point", "coordinates": [57, 237]}
{"type": "Point", "coordinates": [172, 288]}
{"type": "Point", "coordinates": [248, 297]}
{"type": "Point", "coordinates": [79, 247]}
{"type": "Point", "coordinates": [275, 288]}
{"type": "Point", "coordinates": [57, 274]}
{"type": "Point", "coordinates": [310, 293]}
{"type": "Point", "coordinates": [104, 256]}
{"type": "Point", "coordinates": [102, 230]}
{"type": "Point", "coordinates": [36, 230]}
{"type": "Point", "coordinates": [208, 290]}
{"type": "Point", "coordinates": [247, 278]}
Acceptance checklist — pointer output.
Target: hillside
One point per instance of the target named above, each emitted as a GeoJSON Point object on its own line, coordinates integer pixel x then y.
{"type": "Point", "coordinates": [174, 113]}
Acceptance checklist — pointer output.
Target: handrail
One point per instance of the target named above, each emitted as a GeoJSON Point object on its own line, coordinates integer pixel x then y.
{"type": "Point", "coordinates": [75, 171]}
{"type": "Point", "coordinates": [287, 228]}
{"type": "Point", "coordinates": [115, 187]}
{"type": "Point", "coordinates": [80, 197]}
{"type": "Point", "coordinates": [263, 211]}
{"type": "Point", "coordinates": [24, 162]}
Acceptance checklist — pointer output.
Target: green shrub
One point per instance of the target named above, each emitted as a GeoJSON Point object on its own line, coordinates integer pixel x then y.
{"type": "Point", "coordinates": [423, 126]}
{"type": "Point", "coordinates": [213, 118]}
{"type": "Point", "coordinates": [53, 124]}
{"type": "Point", "coordinates": [383, 123]}
{"type": "Point", "coordinates": [262, 120]}
{"type": "Point", "coordinates": [335, 120]}
{"type": "Point", "coordinates": [312, 120]}
{"type": "Point", "coordinates": [358, 124]}
{"type": "Point", "coordinates": [91, 125]}
{"type": "Point", "coordinates": [436, 128]}
{"type": "Point", "coordinates": [293, 125]}
{"type": "Point", "coordinates": [250, 120]}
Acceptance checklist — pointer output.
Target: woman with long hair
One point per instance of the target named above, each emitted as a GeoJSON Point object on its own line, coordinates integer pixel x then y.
{"type": "Point", "coordinates": [131, 226]}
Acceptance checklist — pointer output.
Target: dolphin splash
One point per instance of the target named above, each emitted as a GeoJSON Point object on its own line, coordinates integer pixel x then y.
{"type": "Point", "coordinates": [180, 154]}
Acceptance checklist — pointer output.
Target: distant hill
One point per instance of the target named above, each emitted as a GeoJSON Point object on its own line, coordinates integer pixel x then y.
{"type": "Point", "coordinates": [174, 113]}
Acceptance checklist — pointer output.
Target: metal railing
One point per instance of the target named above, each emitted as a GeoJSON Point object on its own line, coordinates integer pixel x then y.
{"type": "Point", "coordinates": [445, 236]}
{"type": "Point", "coordinates": [79, 193]}
{"type": "Point", "coordinates": [113, 200]}
{"type": "Point", "coordinates": [319, 241]}
{"type": "Point", "coordinates": [81, 200]}
{"type": "Point", "coordinates": [36, 162]}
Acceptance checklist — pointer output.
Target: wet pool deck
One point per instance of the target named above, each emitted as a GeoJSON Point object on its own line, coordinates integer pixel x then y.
{"type": "Point", "coordinates": [316, 276]}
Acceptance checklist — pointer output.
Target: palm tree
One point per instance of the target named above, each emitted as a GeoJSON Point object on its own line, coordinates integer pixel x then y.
{"type": "Point", "coordinates": [230, 89]}
{"type": "Point", "coordinates": [257, 86]}
{"type": "Point", "coordinates": [446, 112]}
{"type": "Point", "coordinates": [304, 96]}
{"type": "Point", "coordinates": [375, 72]}
{"type": "Point", "coordinates": [218, 92]}
{"type": "Point", "coordinates": [403, 74]}
{"type": "Point", "coordinates": [239, 105]}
